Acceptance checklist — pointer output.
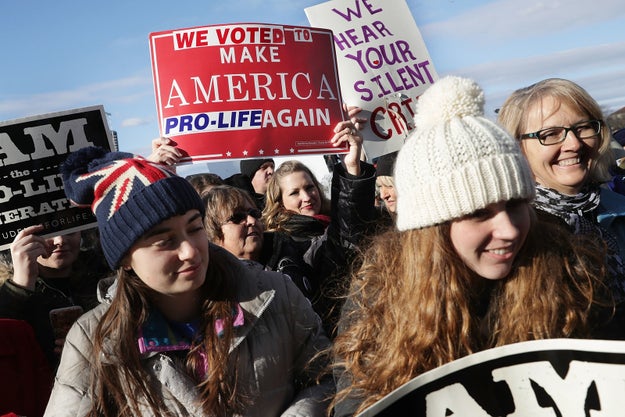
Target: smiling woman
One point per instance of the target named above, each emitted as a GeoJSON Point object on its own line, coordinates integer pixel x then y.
{"type": "Point", "coordinates": [470, 266]}
{"type": "Point", "coordinates": [185, 329]}
{"type": "Point", "coordinates": [327, 232]}
{"type": "Point", "coordinates": [561, 131]}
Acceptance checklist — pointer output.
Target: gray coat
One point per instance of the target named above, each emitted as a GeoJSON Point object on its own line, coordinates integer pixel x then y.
{"type": "Point", "coordinates": [274, 350]}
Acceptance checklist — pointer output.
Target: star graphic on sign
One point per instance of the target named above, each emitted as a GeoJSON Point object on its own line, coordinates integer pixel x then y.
{"type": "Point", "coordinates": [276, 151]}
{"type": "Point", "coordinates": [261, 152]}
{"type": "Point", "coordinates": [228, 154]}
{"type": "Point", "coordinates": [292, 150]}
{"type": "Point", "coordinates": [245, 152]}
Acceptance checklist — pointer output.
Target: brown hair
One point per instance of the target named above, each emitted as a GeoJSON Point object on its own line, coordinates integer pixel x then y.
{"type": "Point", "coordinates": [117, 370]}
{"type": "Point", "coordinates": [221, 202]}
{"type": "Point", "coordinates": [204, 181]}
{"type": "Point", "coordinates": [413, 304]}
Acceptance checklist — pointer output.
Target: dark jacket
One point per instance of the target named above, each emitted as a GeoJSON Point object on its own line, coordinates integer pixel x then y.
{"type": "Point", "coordinates": [328, 250]}
{"type": "Point", "coordinates": [34, 307]}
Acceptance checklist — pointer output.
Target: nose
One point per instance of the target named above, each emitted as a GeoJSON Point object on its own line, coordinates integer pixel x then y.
{"type": "Point", "coordinates": [305, 196]}
{"type": "Point", "coordinates": [250, 220]}
{"type": "Point", "coordinates": [571, 141]}
{"type": "Point", "coordinates": [384, 193]}
{"type": "Point", "coordinates": [58, 240]}
{"type": "Point", "coordinates": [187, 250]}
{"type": "Point", "coordinates": [504, 227]}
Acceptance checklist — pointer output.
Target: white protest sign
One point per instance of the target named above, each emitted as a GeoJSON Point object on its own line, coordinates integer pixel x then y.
{"type": "Point", "coordinates": [544, 378]}
{"type": "Point", "coordinates": [383, 64]}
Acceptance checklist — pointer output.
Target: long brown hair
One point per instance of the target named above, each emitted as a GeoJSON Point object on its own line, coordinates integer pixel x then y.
{"type": "Point", "coordinates": [413, 304]}
{"type": "Point", "coordinates": [117, 369]}
{"type": "Point", "coordinates": [275, 216]}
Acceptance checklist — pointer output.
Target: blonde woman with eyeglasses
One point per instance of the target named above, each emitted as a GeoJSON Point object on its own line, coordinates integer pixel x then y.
{"type": "Point", "coordinates": [561, 130]}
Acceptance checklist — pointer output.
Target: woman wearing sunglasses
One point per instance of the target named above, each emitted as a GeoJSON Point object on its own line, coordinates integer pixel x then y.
{"type": "Point", "coordinates": [562, 133]}
{"type": "Point", "coordinates": [236, 225]}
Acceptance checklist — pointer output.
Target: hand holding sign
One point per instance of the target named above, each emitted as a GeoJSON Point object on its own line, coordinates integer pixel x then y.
{"type": "Point", "coordinates": [355, 115]}
{"type": "Point", "coordinates": [25, 250]}
{"type": "Point", "coordinates": [345, 133]}
{"type": "Point", "coordinates": [165, 151]}
{"type": "Point", "coordinates": [234, 91]}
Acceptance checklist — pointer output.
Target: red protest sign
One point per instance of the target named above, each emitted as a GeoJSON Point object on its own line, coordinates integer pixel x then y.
{"type": "Point", "coordinates": [246, 90]}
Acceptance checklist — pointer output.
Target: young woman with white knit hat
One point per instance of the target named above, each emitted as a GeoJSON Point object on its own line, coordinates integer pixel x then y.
{"type": "Point", "coordinates": [469, 266]}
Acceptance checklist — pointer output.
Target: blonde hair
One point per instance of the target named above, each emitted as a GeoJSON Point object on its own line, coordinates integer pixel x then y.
{"type": "Point", "coordinates": [514, 113]}
{"type": "Point", "coordinates": [275, 216]}
{"type": "Point", "coordinates": [384, 180]}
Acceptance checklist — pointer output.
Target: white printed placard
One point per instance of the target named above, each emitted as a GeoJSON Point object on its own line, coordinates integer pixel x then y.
{"type": "Point", "coordinates": [383, 63]}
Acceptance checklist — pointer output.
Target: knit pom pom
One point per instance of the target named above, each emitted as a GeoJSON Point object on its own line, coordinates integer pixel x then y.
{"type": "Point", "coordinates": [448, 98]}
{"type": "Point", "coordinates": [77, 162]}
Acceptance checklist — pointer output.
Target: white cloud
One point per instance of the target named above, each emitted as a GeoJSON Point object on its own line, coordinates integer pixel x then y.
{"type": "Point", "coordinates": [114, 91]}
{"type": "Point", "coordinates": [135, 121]}
{"type": "Point", "coordinates": [513, 19]}
{"type": "Point", "coordinates": [599, 69]}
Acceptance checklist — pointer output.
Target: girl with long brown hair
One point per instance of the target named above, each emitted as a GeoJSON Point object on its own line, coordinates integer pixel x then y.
{"type": "Point", "coordinates": [469, 267]}
{"type": "Point", "coordinates": [186, 328]}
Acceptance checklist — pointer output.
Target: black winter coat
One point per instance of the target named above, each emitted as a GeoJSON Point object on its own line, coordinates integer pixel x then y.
{"type": "Point", "coordinates": [319, 256]}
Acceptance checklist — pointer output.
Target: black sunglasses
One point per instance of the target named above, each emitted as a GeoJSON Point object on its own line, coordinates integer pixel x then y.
{"type": "Point", "coordinates": [240, 216]}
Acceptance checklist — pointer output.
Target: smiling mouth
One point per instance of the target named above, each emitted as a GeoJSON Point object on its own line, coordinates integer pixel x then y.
{"type": "Point", "coordinates": [500, 251]}
{"type": "Point", "coordinates": [569, 162]}
{"type": "Point", "coordinates": [189, 269]}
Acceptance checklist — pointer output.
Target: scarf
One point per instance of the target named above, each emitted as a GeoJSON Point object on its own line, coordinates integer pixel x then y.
{"type": "Point", "coordinates": [158, 334]}
{"type": "Point", "coordinates": [580, 213]}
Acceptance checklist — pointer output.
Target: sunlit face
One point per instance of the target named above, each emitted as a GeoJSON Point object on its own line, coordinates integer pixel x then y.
{"type": "Point", "coordinates": [564, 166]}
{"type": "Point", "coordinates": [65, 251]}
{"type": "Point", "coordinates": [300, 194]}
{"type": "Point", "coordinates": [388, 195]}
{"type": "Point", "coordinates": [243, 238]}
{"type": "Point", "coordinates": [172, 257]}
{"type": "Point", "coordinates": [262, 177]}
{"type": "Point", "coordinates": [489, 240]}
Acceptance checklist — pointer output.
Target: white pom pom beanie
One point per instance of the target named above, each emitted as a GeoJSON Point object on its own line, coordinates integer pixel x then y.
{"type": "Point", "coordinates": [456, 161]}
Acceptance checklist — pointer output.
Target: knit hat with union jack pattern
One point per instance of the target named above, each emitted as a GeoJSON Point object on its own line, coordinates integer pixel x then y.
{"type": "Point", "coordinates": [127, 193]}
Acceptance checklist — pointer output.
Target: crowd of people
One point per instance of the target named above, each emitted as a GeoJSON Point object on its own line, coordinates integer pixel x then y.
{"type": "Point", "coordinates": [260, 295]}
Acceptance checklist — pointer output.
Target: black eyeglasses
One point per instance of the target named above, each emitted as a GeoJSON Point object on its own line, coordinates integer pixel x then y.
{"type": "Point", "coordinates": [240, 216]}
{"type": "Point", "coordinates": [557, 134]}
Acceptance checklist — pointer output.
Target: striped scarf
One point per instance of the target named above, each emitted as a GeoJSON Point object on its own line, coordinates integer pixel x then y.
{"type": "Point", "coordinates": [580, 213]}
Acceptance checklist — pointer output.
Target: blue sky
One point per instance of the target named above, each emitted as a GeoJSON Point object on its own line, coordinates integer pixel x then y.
{"type": "Point", "coordinates": [68, 54]}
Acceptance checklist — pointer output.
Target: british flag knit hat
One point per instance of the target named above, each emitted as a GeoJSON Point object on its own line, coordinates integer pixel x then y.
{"type": "Point", "coordinates": [127, 193]}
